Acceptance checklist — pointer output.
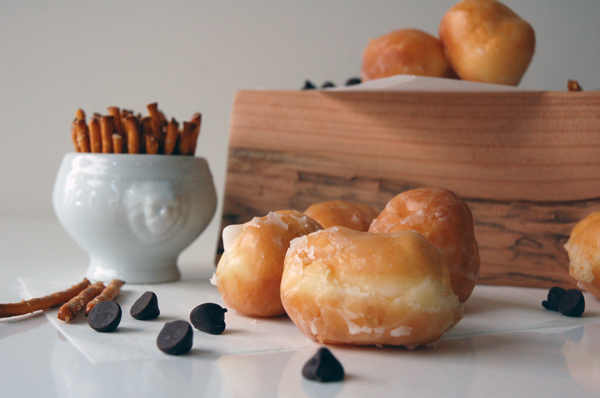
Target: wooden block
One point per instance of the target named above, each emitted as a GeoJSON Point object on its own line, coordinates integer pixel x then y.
{"type": "Point", "coordinates": [527, 163]}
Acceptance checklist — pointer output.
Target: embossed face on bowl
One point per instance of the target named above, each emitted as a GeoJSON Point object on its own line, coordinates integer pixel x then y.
{"type": "Point", "coordinates": [156, 210]}
{"type": "Point", "coordinates": [134, 214]}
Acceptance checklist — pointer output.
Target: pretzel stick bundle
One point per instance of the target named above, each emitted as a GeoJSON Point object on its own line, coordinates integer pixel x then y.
{"type": "Point", "coordinates": [110, 292]}
{"type": "Point", "coordinates": [69, 310]}
{"type": "Point", "coordinates": [122, 131]}
{"type": "Point", "coordinates": [42, 303]}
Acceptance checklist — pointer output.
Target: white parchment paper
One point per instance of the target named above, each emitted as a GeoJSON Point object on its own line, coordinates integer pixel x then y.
{"type": "Point", "coordinates": [490, 310]}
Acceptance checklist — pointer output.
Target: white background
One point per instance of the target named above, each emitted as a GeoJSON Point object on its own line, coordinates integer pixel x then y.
{"type": "Point", "coordinates": [57, 56]}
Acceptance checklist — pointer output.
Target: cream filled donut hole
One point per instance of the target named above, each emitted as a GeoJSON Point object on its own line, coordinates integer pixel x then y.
{"type": "Point", "coordinates": [342, 286]}
{"type": "Point", "coordinates": [248, 274]}
{"type": "Point", "coordinates": [446, 221]}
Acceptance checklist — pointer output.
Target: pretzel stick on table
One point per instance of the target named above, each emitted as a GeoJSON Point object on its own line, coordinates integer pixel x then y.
{"type": "Point", "coordinates": [110, 292]}
{"type": "Point", "coordinates": [69, 310]}
{"type": "Point", "coordinates": [133, 134]}
{"type": "Point", "coordinates": [107, 129]}
{"type": "Point", "coordinates": [95, 135]}
{"type": "Point", "coordinates": [42, 303]}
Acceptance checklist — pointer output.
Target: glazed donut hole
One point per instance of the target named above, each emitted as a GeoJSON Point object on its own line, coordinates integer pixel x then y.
{"type": "Point", "coordinates": [583, 249]}
{"type": "Point", "coordinates": [405, 52]}
{"type": "Point", "coordinates": [446, 221]}
{"type": "Point", "coordinates": [342, 213]}
{"type": "Point", "coordinates": [342, 286]}
{"type": "Point", "coordinates": [248, 274]}
{"type": "Point", "coordinates": [485, 41]}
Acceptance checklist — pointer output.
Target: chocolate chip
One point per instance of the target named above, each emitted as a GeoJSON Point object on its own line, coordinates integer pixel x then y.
{"type": "Point", "coordinates": [209, 318]}
{"type": "Point", "coordinates": [105, 316]}
{"type": "Point", "coordinates": [353, 81]}
{"type": "Point", "coordinates": [145, 307]}
{"type": "Point", "coordinates": [555, 294]}
{"type": "Point", "coordinates": [572, 303]}
{"type": "Point", "coordinates": [323, 367]}
{"type": "Point", "coordinates": [176, 338]}
{"type": "Point", "coordinates": [308, 85]}
{"type": "Point", "coordinates": [328, 84]}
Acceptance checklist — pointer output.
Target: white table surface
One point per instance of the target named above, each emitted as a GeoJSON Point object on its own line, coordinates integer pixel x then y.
{"type": "Point", "coordinates": [37, 360]}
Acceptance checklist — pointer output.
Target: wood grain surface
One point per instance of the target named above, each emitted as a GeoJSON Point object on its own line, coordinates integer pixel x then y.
{"type": "Point", "coordinates": [527, 163]}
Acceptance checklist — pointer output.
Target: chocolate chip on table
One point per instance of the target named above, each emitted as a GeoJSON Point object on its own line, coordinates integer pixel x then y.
{"type": "Point", "coordinates": [176, 338]}
{"type": "Point", "coordinates": [145, 307]}
{"type": "Point", "coordinates": [308, 85]}
{"type": "Point", "coordinates": [572, 303]}
{"type": "Point", "coordinates": [353, 81]}
{"type": "Point", "coordinates": [555, 294]}
{"type": "Point", "coordinates": [328, 84]}
{"type": "Point", "coordinates": [105, 316]}
{"type": "Point", "coordinates": [323, 367]}
{"type": "Point", "coordinates": [209, 318]}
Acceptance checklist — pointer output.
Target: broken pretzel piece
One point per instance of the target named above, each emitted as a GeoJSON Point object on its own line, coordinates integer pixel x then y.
{"type": "Point", "coordinates": [573, 85]}
{"type": "Point", "coordinates": [69, 311]}
{"type": "Point", "coordinates": [42, 303]}
{"type": "Point", "coordinates": [108, 294]}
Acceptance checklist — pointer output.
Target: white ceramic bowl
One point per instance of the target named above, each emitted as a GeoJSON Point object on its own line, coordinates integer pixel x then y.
{"type": "Point", "coordinates": [134, 214]}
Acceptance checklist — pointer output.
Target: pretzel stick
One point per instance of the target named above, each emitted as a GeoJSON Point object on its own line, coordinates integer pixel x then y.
{"type": "Point", "coordinates": [133, 134]}
{"type": "Point", "coordinates": [125, 113]}
{"type": "Point", "coordinates": [115, 112]}
{"type": "Point", "coordinates": [107, 128]}
{"type": "Point", "coordinates": [171, 137]}
{"type": "Point", "coordinates": [69, 311]}
{"type": "Point", "coordinates": [152, 146]}
{"type": "Point", "coordinates": [42, 303]}
{"type": "Point", "coordinates": [74, 135]}
{"type": "Point", "coordinates": [80, 114]}
{"type": "Point", "coordinates": [163, 119]}
{"type": "Point", "coordinates": [157, 124]}
{"type": "Point", "coordinates": [185, 138]}
{"type": "Point", "coordinates": [573, 85]}
{"type": "Point", "coordinates": [117, 141]}
{"type": "Point", "coordinates": [83, 136]}
{"type": "Point", "coordinates": [146, 127]}
{"type": "Point", "coordinates": [95, 136]}
{"type": "Point", "coordinates": [110, 292]}
{"type": "Point", "coordinates": [197, 120]}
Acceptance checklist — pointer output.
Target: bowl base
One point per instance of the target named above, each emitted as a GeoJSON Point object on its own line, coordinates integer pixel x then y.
{"type": "Point", "coordinates": [101, 270]}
